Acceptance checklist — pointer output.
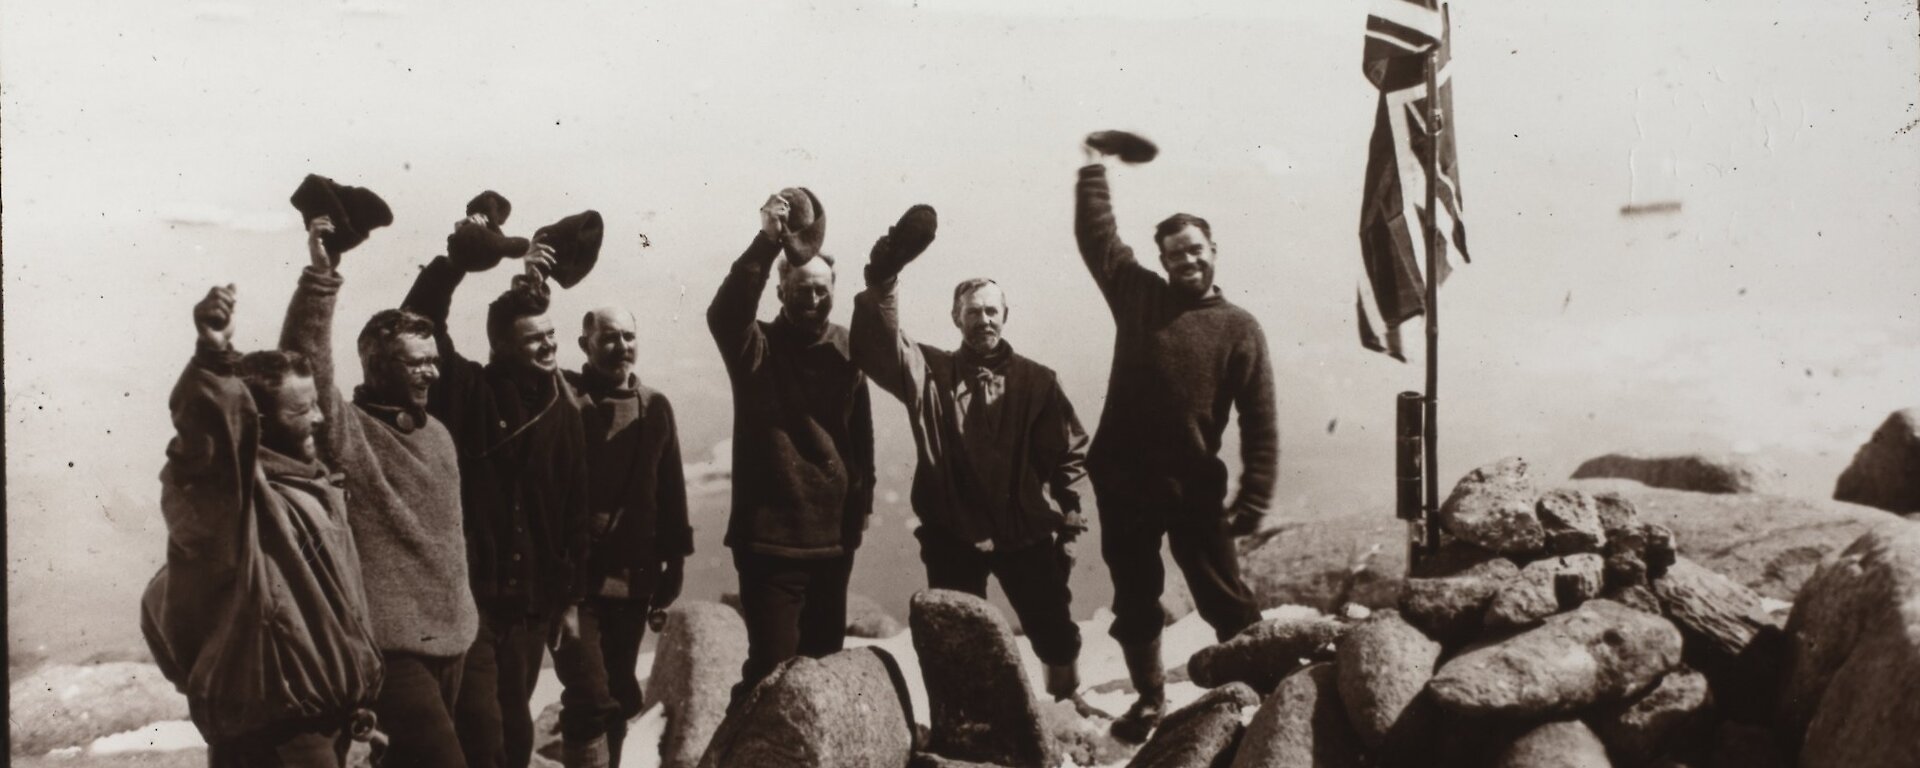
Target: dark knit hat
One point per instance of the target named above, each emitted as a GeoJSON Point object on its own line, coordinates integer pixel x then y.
{"type": "Point", "coordinates": [354, 211]}
{"type": "Point", "coordinates": [1129, 147]}
{"type": "Point", "coordinates": [478, 248]}
{"type": "Point", "coordinates": [806, 225]}
{"type": "Point", "coordinates": [575, 241]}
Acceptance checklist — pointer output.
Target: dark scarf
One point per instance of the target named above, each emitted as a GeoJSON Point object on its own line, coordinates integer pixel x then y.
{"type": "Point", "coordinates": [405, 418]}
{"type": "Point", "coordinates": [985, 374]}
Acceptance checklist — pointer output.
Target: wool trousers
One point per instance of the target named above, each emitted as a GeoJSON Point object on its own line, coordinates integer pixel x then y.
{"type": "Point", "coordinates": [416, 710]}
{"type": "Point", "coordinates": [1034, 578]}
{"type": "Point", "coordinates": [793, 607]}
{"type": "Point", "coordinates": [1194, 526]}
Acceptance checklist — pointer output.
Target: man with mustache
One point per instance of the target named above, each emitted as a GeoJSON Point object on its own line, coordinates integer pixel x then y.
{"type": "Point", "coordinates": [802, 448]}
{"type": "Point", "coordinates": [640, 537]}
{"type": "Point", "coordinates": [1182, 357]}
{"type": "Point", "coordinates": [523, 483]}
{"type": "Point", "coordinates": [995, 434]}
{"type": "Point", "coordinates": [403, 484]}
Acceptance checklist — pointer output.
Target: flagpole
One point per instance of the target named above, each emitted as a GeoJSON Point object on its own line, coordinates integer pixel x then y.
{"type": "Point", "coordinates": [1435, 242]}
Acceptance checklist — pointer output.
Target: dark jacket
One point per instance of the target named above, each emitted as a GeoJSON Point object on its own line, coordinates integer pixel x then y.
{"type": "Point", "coordinates": [982, 468]}
{"type": "Point", "coordinates": [523, 468]}
{"type": "Point", "coordinates": [258, 616]}
{"type": "Point", "coordinates": [1179, 365]}
{"type": "Point", "coordinates": [638, 498]}
{"type": "Point", "coordinates": [802, 424]}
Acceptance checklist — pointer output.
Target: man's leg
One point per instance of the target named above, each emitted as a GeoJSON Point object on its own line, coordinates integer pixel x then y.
{"type": "Point", "coordinates": [772, 590]}
{"type": "Point", "coordinates": [823, 614]}
{"type": "Point", "coordinates": [477, 709]}
{"type": "Point", "coordinates": [952, 564]}
{"type": "Point", "coordinates": [414, 712]}
{"type": "Point", "coordinates": [623, 624]}
{"type": "Point", "coordinates": [585, 703]}
{"type": "Point", "coordinates": [1035, 581]}
{"type": "Point", "coordinates": [1130, 546]}
{"type": "Point", "coordinates": [520, 652]}
{"type": "Point", "coordinates": [1206, 556]}
{"type": "Point", "coordinates": [302, 746]}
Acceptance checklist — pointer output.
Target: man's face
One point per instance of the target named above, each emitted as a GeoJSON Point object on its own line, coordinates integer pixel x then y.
{"type": "Point", "coordinates": [611, 343]}
{"type": "Point", "coordinates": [406, 373]}
{"type": "Point", "coordinates": [806, 293]}
{"type": "Point", "coordinates": [1188, 256]}
{"type": "Point", "coordinates": [287, 424]}
{"type": "Point", "coordinates": [532, 343]}
{"type": "Point", "coordinates": [980, 314]}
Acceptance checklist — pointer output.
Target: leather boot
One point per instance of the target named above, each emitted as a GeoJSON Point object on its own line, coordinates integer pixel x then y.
{"type": "Point", "coordinates": [591, 753]}
{"type": "Point", "coordinates": [1063, 680]}
{"type": "Point", "coordinates": [1150, 679]}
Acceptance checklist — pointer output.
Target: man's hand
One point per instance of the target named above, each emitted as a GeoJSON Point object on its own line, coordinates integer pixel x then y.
{"type": "Point", "coordinates": [673, 576]}
{"type": "Point", "coordinates": [1093, 156]}
{"type": "Point", "coordinates": [773, 217]}
{"type": "Point", "coordinates": [566, 630]}
{"type": "Point", "coordinates": [1070, 530]}
{"type": "Point", "coordinates": [1243, 522]}
{"type": "Point", "coordinates": [213, 317]}
{"type": "Point", "coordinates": [317, 230]}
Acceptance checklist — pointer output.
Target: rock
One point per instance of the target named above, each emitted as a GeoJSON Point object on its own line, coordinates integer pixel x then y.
{"type": "Point", "coordinates": [1566, 744]}
{"type": "Point", "coordinates": [1598, 653]}
{"type": "Point", "coordinates": [1084, 740]}
{"type": "Point", "coordinates": [980, 706]}
{"type": "Point", "coordinates": [1674, 718]}
{"type": "Point", "coordinates": [695, 665]}
{"type": "Point", "coordinates": [1639, 598]}
{"type": "Point", "coordinates": [1718, 616]}
{"type": "Point", "coordinates": [1614, 510]}
{"type": "Point", "coordinates": [1576, 578]}
{"type": "Point", "coordinates": [1198, 734]}
{"type": "Point", "coordinates": [1384, 664]}
{"type": "Point", "coordinates": [1493, 507]}
{"type": "Point", "coordinates": [1326, 561]}
{"type": "Point", "coordinates": [1885, 473]}
{"type": "Point", "coordinates": [1739, 745]}
{"type": "Point", "coordinates": [1524, 601]}
{"type": "Point", "coordinates": [931, 760]}
{"type": "Point", "coordinates": [1451, 607]}
{"type": "Point", "coordinates": [1263, 654]}
{"type": "Point", "coordinates": [1854, 655]}
{"type": "Point", "coordinates": [546, 733]}
{"type": "Point", "coordinates": [1572, 521]}
{"type": "Point", "coordinates": [1301, 724]}
{"type": "Point", "coordinates": [1687, 472]}
{"type": "Point", "coordinates": [64, 705]}
{"type": "Point", "coordinates": [847, 709]}
{"type": "Point", "coordinates": [865, 618]}
{"type": "Point", "coordinates": [1650, 543]}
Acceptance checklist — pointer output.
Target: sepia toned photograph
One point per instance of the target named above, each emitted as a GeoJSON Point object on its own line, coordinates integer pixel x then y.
{"type": "Point", "coordinates": [945, 383]}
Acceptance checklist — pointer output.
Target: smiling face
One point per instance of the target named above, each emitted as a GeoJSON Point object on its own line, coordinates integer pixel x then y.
{"type": "Point", "coordinates": [1188, 255]}
{"type": "Point", "coordinates": [980, 311]}
{"type": "Point", "coordinates": [532, 343]}
{"type": "Point", "coordinates": [290, 417]}
{"type": "Point", "coordinates": [608, 337]}
{"type": "Point", "coordinates": [806, 293]}
{"type": "Point", "coordinates": [405, 373]}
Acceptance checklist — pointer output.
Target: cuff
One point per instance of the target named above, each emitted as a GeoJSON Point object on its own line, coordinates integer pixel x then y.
{"type": "Point", "coordinates": [320, 281]}
{"type": "Point", "coordinates": [1093, 171]}
{"type": "Point", "coordinates": [220, 360]}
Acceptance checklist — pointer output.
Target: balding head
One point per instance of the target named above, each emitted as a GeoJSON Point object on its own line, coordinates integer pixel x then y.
{"type": "Point", "coordinates": [609, 337]}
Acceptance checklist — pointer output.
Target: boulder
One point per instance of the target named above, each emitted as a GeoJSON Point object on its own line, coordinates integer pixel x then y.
{"type": "Point", "coordinates": [1084, 740]}
{"type": "Point", "coordinates": [65, 705]}
{"type": "Point", "coordinates": [1524, 601]}
{"type": "Point", "coordinates": [1572, 521]}
{"type": "Point", "coordinates": [979, 704]}
{"type": "Point", "coordinates": [1265, 653]}
{"type": "Point", "coordinates": [1854, 655]}
{"type": "Point", "coordinates": [1885, 472]}
{"type": "Point", "coordinates": [1493, 507]}
{"type": "Point", "coordinates": [1598, 653]}
{"type": "Point", "coordinates": [1719, 619]}
{"type": "Point", "coordinates": [1301, 724]}
{"type": "Point", "coordinates": [1639, 598]}
{"type": "Point", "coordinates": [1565, 744]}
{"type": "Point", "coordinates": [1198, 735]}
{"type": "Point", "coordinates": [1696, 473]}
{"type": "Point", "coordinates": [1384, 664]}
{"type": "Point", "coordinates": [865, 618]}
{"type": "Point", "coordinates": [1675, 718]}
{"type": "Point", "coordinates": [1451, 607]}
{"type": "Point", "coordinates": [695, 664]}
{"type": "Point", "coordinates": [1327, 561]}
{"type": "Point", "coordinates": [1614, 510]}
{"type": "Point", "coordinates": [848, 709]}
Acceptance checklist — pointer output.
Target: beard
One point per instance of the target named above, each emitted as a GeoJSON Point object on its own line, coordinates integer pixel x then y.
{"type": "Point", "coordinates": [983, 339]}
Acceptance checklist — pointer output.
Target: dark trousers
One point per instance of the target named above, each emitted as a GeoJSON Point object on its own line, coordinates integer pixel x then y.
{"type": "Point", "coordinates": [793, 607]}
{"type": "Point", "coordinates": [601, 682]}
{"type": "Point", "coordinates": [1195, 530]}
{"type": "Point", "coordinates": [416, 708]}
{"type": "Point", "coordinates": [308, 744]}
{"type": "Point", "coordinates": [492, 714]}
{"type": "Point", "coordinates": [1034, 578]}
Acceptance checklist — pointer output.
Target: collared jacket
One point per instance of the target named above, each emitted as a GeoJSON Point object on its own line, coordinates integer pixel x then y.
{"type": "Point", "coordinates": [638, 498]}
{"type": "Point", "coordinates": [993, 435]}
{"type": "Point", "coordinates": [802, 424]}
{"type": "Point", "coordinates": [258, 616]}
{"type": "Point", "coordinates": [523, 468]}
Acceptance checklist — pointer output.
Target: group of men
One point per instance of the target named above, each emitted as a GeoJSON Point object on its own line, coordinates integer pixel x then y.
{"type": "Point", "coordinates": [393, 566]}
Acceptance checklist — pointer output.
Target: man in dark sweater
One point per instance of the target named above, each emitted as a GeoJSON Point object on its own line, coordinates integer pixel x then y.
{"type": "Point", "coordinates": [640, 537]}
{"type": "Point", "coordinates": [523, 491]}
{"type": "Point", "coordinates": [1182, 357]}
{"type": "Point", "coordinates": [994, 434]}
{"type": "Point", "coordinates": [802, 452]}
{"type": "Point", "coordinates": [403, 488]}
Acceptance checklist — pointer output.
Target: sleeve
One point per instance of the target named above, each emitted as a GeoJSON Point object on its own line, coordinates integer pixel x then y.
{"type": "Point", "coordinates": [731, 315]}
{"type": "Point", "coordinates": [208, 484]}
{"type": "Point", "coordinates": [1110, 261]}
{"type": "Point", "coordinates": [1062, 444]}
{"type": "Point", "coordinates": [432, 298]}
{"type": "Point", "coordinates": [860, 455]}
{"type": "Point", "coordinates": [884, 352]}
{"type": "Point", "coordinates": [673, 537]}
{"type": "Point", "coordinates": [1259, 429]}
{"type": "Point", "coordinates": [308, 330]}
{"type": "Point", "coordinates": [577, 513]}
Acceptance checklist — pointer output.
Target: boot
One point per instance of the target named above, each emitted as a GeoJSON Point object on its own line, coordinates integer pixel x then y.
{"type": "Point", "coordinates": [1143, 665]}
{"type": "Point", "coordinates": [616, 738]}
{"type": "Point", "coordinates": [1063, 680]}
{"type": "Point", "coordinates": [591, 753]}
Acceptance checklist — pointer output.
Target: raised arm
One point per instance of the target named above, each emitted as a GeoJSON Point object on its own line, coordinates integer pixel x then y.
{"type": "Point", "coordinates": [882, 350]}
{"type": "Point", "coordinates": [207, 486]}
{"type": "Point", "coordinates": [1110, 261]}
{"type": "Point", "coordinates": [308, 330]}
{"type": "Point", "coordinates": [731, 315]}
{"type": "Point", "coordinates": [1259, 433]}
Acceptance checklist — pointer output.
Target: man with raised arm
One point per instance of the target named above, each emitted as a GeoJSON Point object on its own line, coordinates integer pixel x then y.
{"type": "Point", "coordinates": [1183, 356]}
{"type": "Point", "coordinates": [802, 447]}
{"type": "Point", "coordinates": [995, 436]}
{"type": "Point", "coordinates": [403, 485]}
{"type": "Point", "coordinates": [523, 483]}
